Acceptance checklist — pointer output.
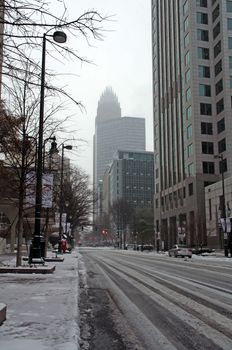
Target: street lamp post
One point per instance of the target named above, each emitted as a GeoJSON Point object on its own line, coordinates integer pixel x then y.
{"type": "Point", "coordinates": [69, 147]}
{"type": "Point", "coordinates": [36, 251]}
{"type": "Point", "coordinates": [223, 212]}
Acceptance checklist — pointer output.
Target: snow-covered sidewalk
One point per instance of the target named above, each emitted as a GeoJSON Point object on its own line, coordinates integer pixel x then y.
{"type": "Point", "coordinates": [42, 310]}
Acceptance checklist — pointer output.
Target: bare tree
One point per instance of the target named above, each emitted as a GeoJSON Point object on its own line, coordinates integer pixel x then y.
{"type": "Point", "coordinates": [18, 142]}
{"type": "Point", "coordinates": [77, 196]}
{"type": "Point", "coordinates": [122, 214]}
{"type": "Point", "coordinates": [26, 21]}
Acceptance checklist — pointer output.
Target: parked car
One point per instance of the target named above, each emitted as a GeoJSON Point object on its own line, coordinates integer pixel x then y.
{"type": "Point", "coordinates": [145, 247]}
{"type": "Point", "coordinates": [203, 251]}
{"type": "Point", "coordinates": [180, 250]}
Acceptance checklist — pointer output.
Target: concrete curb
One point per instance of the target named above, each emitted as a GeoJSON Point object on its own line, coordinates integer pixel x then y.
{"type": "Point", "coordinates": [2, 313]}
{"type": "Point", "coordinates": [27, 270]}
{"type": "Point", "coordinates": [50, 259]}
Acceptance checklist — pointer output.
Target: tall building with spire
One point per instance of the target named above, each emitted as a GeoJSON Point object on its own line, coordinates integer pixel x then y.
{"type": "Point", "coordinates": [112, 131]}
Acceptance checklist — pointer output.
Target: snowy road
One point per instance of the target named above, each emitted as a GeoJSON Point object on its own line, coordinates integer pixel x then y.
{"type": "Point", "coordinates": [159, 302]}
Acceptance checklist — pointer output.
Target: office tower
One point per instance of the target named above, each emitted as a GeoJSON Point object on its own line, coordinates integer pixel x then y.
{"type": "Point", "coordinates": [2, 3]}
{"type": "Point", "coordinates": [131, 178]}
{"type": "Point", "coordinates": [192, 82]}
{"type": "Point", "coordinates": [112, 131]}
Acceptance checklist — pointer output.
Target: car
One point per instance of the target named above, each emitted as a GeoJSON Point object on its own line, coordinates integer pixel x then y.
{"type": "Point", "coordinates": [148, 247]}
{"type": "Point", "coordinates": [145, 247]}
{"type": "Point", "coordinates": [203, 251]}
{"type": "Point", "coordinates": [180, 250]}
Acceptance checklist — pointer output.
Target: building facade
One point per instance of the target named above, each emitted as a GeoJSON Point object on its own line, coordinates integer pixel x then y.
{"type": "Point", "coordinates": [217, 196]}
{"type": "Point", "coordinates": [131, 178]}
{"type": "Point", "coordinates": [192, 89]}
{"type": "Point", "coordinates": [112, 131]}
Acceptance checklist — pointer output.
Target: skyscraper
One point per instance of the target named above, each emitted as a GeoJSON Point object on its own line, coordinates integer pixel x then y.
{"type": "Point", "coordinates": [113, 132]}
{"type": "Point", "coordinates": [192, 89]}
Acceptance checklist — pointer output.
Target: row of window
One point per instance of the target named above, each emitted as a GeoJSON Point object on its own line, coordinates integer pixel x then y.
{"type": "Point", "coordinates": [207, 127]}
{"type": "Point", "coordinates": [207, 147]}
{"type": "Point", "coordinates": [205, 108]}
{"type": "Point", "coordinates": [200, 3]}
{"type": "Point", "coordinates": [207, 168]}
{"type": "Point", "coordinates": [205, 91]}
{"type": "Point", "coordinates": [204, 4]}
{"type": "Point", "coordinates": [138, 188]}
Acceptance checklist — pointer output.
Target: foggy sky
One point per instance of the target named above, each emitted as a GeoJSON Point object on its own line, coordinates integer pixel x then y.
{"type": "Point", "coordinates": [122, 60]}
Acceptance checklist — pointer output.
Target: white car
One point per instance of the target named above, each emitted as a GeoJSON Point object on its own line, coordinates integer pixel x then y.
{"type": "Point", "coordinates": [180, 250]}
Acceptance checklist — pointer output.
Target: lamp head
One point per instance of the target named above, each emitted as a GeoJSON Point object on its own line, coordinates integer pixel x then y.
{"type": "Point", "coordinates": [59, 37]}
{"type": "Point", "coordinates": [68, 147]}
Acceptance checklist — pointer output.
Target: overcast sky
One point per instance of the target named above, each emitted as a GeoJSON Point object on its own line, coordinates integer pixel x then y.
{"type": "Point", "coordinates": [122, 60]}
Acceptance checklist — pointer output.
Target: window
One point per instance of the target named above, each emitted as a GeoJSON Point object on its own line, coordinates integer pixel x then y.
{"type": "Point", "coordinates": [189, 131]}
{"type": "Point", "coordinates": [230, 62]}
{"type": "Point", "coordinates": [186, 23]}
{"type": "Point", "coordinates": [202, 34]}
{"type": "Point", "coordinates": [187, 76]}
{"type": "Point", "coordinates": [187, 58]}
{"type": "Point", "coordinates": [231, 82]}
{"type": "Point", "coordinates": [201, 3]}
{"type": "Point", "coordinates": [229, 23]}
{"type": "Point", "coordinates": [220, 106]}
{"type": "Point", "coordinates": [203, 53]}
{"type": "Point", "coordinates": [190, 150]}
{"type": "Point", "coordinates": [216, 13]}
{"type": "Point", "coordinates": [216, 30]}
{"type": "Point", "coordinates": [217, 49]}
{"type": "Point", "coordinates": [218, 68]}
{"type": "Point", "coordinates": [220, 125]}
{"type": "Point", "coordinates": [205, 108]}
{"type": "Point", "coordinates": [230, 43]}
{"type": "Point", "coordinates": [222, 146]}
{"type": "Point", "coordinates": [190, 189]}
{"type": "Point", "coordinates": [204, 90]}
{"type": "Point", "coordinates": [185, 7]}
{"type": "Point", "coordinates": [206, 128]}
{"type": "Point", "coordinates": [204, 71]}
{"type": "Point", "coordinates": [190, 169]}
{"type": "Point", "coordinates": [229, 6]}
{"type": "Point", "coordinates": [188, 113]}
{"type": "Point", "coordinates": [202, 18]}
{"type": "Point", "coordinates": [207, 147]}
{"type": "Point", "coordinates": [219, 86]}
{"type": "Point", "coordinates": [208, 167]}
{"type": "Point", "coordinates": [157, 203]}
{"type": "Point", "coordinates": [188, 94]}
{"type": "Point", "coordinates": [186, 40]}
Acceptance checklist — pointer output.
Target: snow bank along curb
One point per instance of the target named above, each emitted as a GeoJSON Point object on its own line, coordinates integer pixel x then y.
{"type": "Point", "coordinates": [2, 313]}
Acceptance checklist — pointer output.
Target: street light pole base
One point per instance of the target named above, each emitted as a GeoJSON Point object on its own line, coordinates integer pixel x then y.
{"type": "Point", "coordinates": [37, 250]}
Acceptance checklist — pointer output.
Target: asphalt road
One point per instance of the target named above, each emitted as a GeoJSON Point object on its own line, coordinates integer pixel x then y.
{"type": "Point", "coordinates": [132, 300]}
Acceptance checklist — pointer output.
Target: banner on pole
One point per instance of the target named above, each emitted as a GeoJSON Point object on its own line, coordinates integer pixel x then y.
{"type": "Point", "coordinates": [47, 190]}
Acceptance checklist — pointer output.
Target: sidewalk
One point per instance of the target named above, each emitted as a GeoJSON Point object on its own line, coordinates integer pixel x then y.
{"type": "Point", "coordinates": [42, 310]}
